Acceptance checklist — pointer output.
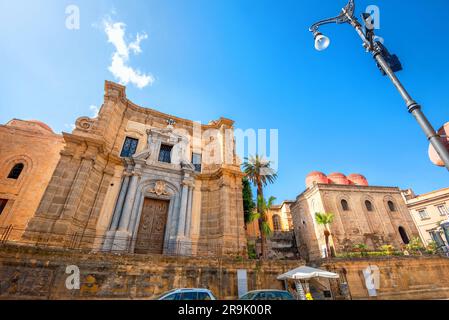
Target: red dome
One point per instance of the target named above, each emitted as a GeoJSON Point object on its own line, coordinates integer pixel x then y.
{"type": "Point", "coordinates": [338, 178]}
{"type": "Point", "coordinates": [358, 180]}
{"type": "Point", "coordinates": [316, 177]}
{"type": "Point", "coordinates": [434, 157]}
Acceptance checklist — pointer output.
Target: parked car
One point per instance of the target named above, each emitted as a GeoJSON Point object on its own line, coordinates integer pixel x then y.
{"type": "Point", "coordinates": [187, 294]}
{"type": "Point", "coordinates": [267, 295]}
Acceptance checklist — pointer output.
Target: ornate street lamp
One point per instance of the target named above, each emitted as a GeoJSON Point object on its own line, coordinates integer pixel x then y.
{"type": "Point", "coordinates": [386, 62]}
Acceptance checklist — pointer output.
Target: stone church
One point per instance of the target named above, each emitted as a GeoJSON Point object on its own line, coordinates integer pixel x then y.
{"type": "Point", "coordinates": [364, 214]}
{"type": "Point", "coordinates": [137, 180]}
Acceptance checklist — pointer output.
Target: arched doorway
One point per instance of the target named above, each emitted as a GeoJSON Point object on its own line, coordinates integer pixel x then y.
{"type": "Point", "coordinates": [404, 235]}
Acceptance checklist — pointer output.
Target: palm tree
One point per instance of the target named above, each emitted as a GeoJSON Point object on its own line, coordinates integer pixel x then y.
{"type": "Point", "coordinates": [259, 172]}
{"type": "Point", "coordinates": [265, 206]}
{"type": "Point", "coordinates": [325, 219]}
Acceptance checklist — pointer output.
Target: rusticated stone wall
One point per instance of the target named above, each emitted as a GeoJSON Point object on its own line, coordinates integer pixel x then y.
{"type": "Point", "coordinates": [400, 278]}
{"type": "Point", "coordinates": [33, 273]}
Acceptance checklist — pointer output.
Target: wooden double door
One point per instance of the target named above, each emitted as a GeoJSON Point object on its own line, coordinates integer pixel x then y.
{"type": "Point", "coordinates": [153, 221]}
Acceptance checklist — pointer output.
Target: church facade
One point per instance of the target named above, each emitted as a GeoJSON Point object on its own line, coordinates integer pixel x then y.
{"type": "Point", "coordinates": [137, 180]}
{"type": "Point", "coordinates": [368, 215]}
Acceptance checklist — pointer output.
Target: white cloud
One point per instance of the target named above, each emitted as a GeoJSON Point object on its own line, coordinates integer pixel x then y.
{"type": "Point", "coordinates": [116, 32]}
{"type": "Point", "coordinates": [95, 111]}
{"type": "Point", "coordinates": [70, 126]}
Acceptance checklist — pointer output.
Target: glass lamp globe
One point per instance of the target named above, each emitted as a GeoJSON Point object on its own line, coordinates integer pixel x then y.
{"type": "Point", "coordinates": [321, 42]}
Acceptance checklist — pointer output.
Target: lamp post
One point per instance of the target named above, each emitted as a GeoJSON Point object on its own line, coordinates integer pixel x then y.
{"type": "Point", "coordinates": [386, 62]}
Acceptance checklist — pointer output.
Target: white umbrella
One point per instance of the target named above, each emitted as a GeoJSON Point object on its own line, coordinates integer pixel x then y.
{"type": "Point", "coordinates": [305, 273]}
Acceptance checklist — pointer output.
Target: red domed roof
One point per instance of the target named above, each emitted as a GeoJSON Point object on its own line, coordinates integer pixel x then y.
{"type": "Point", "coordinates": [358, 179]}
{"type": "Point", "coordinates": [434, 157]}
{"type": "Point", "coordinates": [338, 178]}
{"type": "Point", "coordinates": [316, 173]}
{"type": "Point", "coordinates": [316, 177]}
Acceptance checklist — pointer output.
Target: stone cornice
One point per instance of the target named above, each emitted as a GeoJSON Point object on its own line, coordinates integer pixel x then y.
{"type": "Point", "coordinates": [219, 173]}
{"type": "Point", "coordinates": [346, 188]}
{"type": "Point", "coordinates": [440, 199]}
{"type": "Point", "coordinates": [88, 140]}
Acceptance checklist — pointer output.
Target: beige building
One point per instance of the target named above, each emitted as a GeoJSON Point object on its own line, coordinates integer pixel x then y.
{"type": "Point", "coordinates": [279, 220]}
{"type": "Point", "coordinates": [428, 211]}
{"type": "Point", "coordinates": [29, 153]}
{"type": "Point", "coordinates": [138, 180]}
{"type": "Point", "coordinates": [364, 214]}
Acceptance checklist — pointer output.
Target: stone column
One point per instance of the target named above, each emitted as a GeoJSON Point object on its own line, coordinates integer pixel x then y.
{"type": "Point", "coordinates": [110, 234]}
{"type": "Point", "coordinates": [123, 234]}
{"type": "Point", "coordinates": [128, 205]}
{"type": "Point", "coordinates": [183, 210]}
{"type": "Point", "coordinates": [120, 201]}
{"type": "Point", "coordinates": [189, 213]}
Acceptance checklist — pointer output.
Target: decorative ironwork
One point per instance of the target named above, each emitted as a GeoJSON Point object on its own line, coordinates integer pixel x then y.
{"type": "Point", "coordinates": [196, 161]}
{"type": "Point", "coordinates": [165, 153]}
{"type": "Point", "coordinates": [346, 15]}
{"type": "Point", "coordinates": [129, 147]}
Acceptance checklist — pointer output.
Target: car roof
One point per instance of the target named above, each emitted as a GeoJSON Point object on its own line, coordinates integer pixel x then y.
{"type": "Point", "coordinates": [191, 289]}
{"type": "Point", "coordinates": [267, 290]}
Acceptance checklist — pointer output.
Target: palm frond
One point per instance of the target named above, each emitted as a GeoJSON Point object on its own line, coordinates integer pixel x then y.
{"type": "Point", "coordinates": [266, 230]}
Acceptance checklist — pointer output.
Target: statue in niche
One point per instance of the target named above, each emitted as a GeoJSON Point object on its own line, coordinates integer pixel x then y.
{"type": "Point", "coordinates": [149, 148]}
{"type": "Point", "coordinates": [179, 152]}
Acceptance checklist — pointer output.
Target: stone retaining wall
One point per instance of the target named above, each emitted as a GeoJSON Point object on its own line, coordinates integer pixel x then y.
{"type": "Point", "coordinates": [37, 273]}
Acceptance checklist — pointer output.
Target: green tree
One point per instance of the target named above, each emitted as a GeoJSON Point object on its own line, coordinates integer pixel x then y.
{"type": "Point", "coordinates": [248, 202]}
{"type": "Point", "coordinates": [259, 172]}
{"type": "Point", "coordinates": [265, 206]}
{"type": "Point", "coordinates": [325, 220]}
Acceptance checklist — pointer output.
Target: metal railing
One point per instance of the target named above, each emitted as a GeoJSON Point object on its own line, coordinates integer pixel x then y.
{"type": "Point", "coordinates": [83, 242]}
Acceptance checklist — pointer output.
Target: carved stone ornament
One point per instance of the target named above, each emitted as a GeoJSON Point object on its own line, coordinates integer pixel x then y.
{"type": "Point", "coordinates": [84, 123]}
{"type": "Point", "coordinates": [159, 188]}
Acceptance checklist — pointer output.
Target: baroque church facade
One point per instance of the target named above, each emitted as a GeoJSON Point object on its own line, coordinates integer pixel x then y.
{"type": "Point", "coordinates": [140, 181]}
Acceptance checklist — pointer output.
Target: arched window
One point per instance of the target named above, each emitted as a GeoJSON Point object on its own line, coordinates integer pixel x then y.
{"type": "Point", "coordinates": [277, 223]}
{"type": "Point", "coordinates": [404, 235]}
{"type": "Point", "coordinates": [368, 205]}
{"type": "Point", "coordinates": [345, 205]}
{"type": "Point", "coordinates": [391, 206]}
{"type": "Point", "coordinates": [16, 171]}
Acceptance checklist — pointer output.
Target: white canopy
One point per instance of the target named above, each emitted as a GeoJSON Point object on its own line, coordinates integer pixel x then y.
{"type": "Point", "coordinates": [305, 273]}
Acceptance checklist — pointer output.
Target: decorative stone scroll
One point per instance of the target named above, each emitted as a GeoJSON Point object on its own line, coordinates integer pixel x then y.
{"type": "Point", "coordinates": [84, 123]}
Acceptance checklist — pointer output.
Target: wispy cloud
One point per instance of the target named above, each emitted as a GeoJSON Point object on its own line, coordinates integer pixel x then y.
{"type": "Point", "coordinates": [95, 111]}
{"type": "Point", "coordinates": [116, 32]}
{"type": "Point", "coordinates": [70, 126]}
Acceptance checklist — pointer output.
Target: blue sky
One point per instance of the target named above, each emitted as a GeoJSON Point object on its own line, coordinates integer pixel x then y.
{"type": "Point", "coordinates": [251, 61]}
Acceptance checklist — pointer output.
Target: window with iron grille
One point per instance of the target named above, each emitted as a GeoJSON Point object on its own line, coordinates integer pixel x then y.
{"type": "Point", "coordinates": [129, 147]}
{"type": "Point", "coordinates": [16, 171]}
{"type": "Point", "coordinates": [196, 161]}
{"type": "Point", "coordinates": [3, 203]}
{"type": "Point", "coordinates": [165, 153]}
